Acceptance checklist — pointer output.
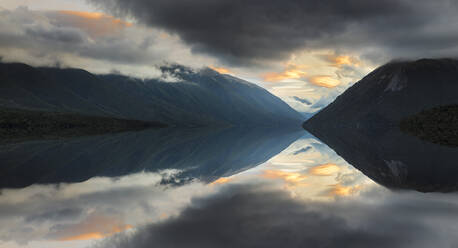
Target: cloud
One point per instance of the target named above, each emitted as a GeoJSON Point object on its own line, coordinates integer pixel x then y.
{"type": "Point", "coordinates": [292, 71]}
{"type": "Point", "coordinates": [92, 209]}
{"type": "Point", "coordinates": [221, 70]}
{"type": "Point", "coordinates": [324, 81]}
{"type": "Point", "coordinates": [324, 170]}
{"type": "Point", "coordinates": [291, 179]}
{"type": "Point", "coordinates": [302, 150]}
{"type": "Point", "coordinates": [95, 226]}
{"type": "Point", "coordinates": [244, 32]}
{"type": "Point", "coordinates": [55, 215]}
{"type": "Point", "coordinates": [94, 23]}
{"type": "Point", "coordinates": [245, 216]}
{"type": "Point", "coordinates": [89, 40]}
{"type": "Point", "coordinates": [302, 100]}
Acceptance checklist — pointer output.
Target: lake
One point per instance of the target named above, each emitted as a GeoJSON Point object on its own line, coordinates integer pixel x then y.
{"type": "Point", "coordinates": [229, 187]}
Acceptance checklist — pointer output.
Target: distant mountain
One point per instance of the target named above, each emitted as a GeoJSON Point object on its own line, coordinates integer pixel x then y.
{"type": "Point", "coordinates": [202, 97]}
{"type": "Point", "coordinates": [199, 153]}
{"type": "Point", "coordinates": [392, 92]}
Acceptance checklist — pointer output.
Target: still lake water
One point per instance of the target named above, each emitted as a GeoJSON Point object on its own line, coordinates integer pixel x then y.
{"type": "Point", "coordinates": [260, 187]}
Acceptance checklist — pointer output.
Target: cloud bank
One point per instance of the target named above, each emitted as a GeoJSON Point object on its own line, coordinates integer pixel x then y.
{"type": "Point", "coordinates": [244, 32]}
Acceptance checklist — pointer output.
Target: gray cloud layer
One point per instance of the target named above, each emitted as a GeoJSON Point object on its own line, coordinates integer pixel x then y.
{"type": "Point", "coordinates": [244, 31]}
{"type": "Point", "coordinates": [243, 216]}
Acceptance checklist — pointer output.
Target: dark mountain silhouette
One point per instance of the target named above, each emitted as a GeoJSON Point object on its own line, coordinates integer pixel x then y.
{"type": "Point", "coordinates": [363, 125]}
{"type": "Point", "coordinates": [204, 154]}
{"type": "Point", "coordinates": [202, 97]}
{"type": "Point", "coordinates": [393, 92]}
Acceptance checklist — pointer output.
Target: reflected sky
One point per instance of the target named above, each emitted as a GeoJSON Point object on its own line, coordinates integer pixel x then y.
{"type": "Point", "coordinates": [305, 195]}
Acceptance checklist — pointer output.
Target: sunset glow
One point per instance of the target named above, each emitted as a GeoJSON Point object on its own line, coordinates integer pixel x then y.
{"type": "Point", "coordinates": [292, 71]}
{"type": "Point", "coordinates": [293, 178]}
{"type": "Point", "coordinates": [221, 70]}
{"type": "Point", "coordinates": [324, 81]}
{"type": "Point", "coordinates": [324, 170]}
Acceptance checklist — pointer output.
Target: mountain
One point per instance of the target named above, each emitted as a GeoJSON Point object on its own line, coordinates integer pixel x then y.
{"type": "Point", "coordinates": [363, 125]}
{"type": "Point", "coordinates": [198, 153]}
{"type": "Point", "coordinates": [392, 92]}
{"type": "Point", "coordinates": [202, 97]}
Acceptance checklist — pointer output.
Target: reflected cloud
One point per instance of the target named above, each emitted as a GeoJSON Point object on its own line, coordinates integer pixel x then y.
{"type": "Point", "coordinates": [340, 190]}
{"type": "Point", "coordinates": [93, 209]}
{"type": "Point", "coordinates": [324, 170]}
{"type": "Point", "coordinates": [221, 180]}
{"type": "Point", "coordinates": [93, 227]}
{"type": "Point", "coordinates": [251, 216]}
{"type": "Point", "coordinates": [290, 178]}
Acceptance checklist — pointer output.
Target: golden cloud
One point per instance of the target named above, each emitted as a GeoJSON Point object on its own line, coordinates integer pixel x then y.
{"type": "Point", "coordinates": [221, 70]}
{"type": "Point", "coordinates": [221, 180]}
{"type": "Point", "coordinates": [94, 23]}
{"type": "Point", "coordinates": [340, 190]}
{"type": "Point", "coordinates": [324, 170]}
{"type": "Point", "coordinates": [93, 227]}
{"type": "Point", "coordinates": [341, 60]}
{"type": "Point", "coordinates": [291, 178]}
{"type": "Point", "coordinates": [292, 71]}
{"type": "Point", "coordinates": [324, 81]}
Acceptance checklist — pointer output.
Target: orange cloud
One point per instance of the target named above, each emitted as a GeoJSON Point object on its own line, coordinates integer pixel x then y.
{"type": "Point", "coordinates": [324, 81]}
{"type": "Point", "coordinates": [324, 170]}
{"type": "Point", "coordinates": [221, 180]}
{"type": "Point", "coordinates": [96, 24]}
{"type": "Point", "coordinates": [84, 236]}
{"type": "Point", "coordinates": [341, 60]}
{"type": "Point", "coordinates": [292, 178]}
{"type": "Point", "coordinates": [93, 227]}
{"type": "Point", "coordinates": [221, 70]}
{"type": "Point", "coordinates": [292, 71]}
{"type": "Point", "coordinates": [340, 190]}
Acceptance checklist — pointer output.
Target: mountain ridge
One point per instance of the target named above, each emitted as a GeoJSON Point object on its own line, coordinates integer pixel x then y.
{"type": "Point", "coordinates": [392, 92]}
{"type": "Point", "coordinates": [202, 97]}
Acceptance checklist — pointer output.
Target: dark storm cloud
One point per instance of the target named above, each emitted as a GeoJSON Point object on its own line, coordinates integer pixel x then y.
{"type": "Point", "coordinates": [243, 31]}
{"type": "Point", "coordinates": [52, 35]}
{"type": "Point", "coordinates": [246, 217]}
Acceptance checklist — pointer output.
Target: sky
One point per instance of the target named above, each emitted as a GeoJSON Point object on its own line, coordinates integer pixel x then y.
{"type": "Point", "coordinates": [306, 52]}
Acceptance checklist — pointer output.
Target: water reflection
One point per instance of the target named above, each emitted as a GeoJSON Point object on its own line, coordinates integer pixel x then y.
{"type": "Point", "coordinates": [205, 154]}
{"type": "Point", "coordinates": [211, 188]}
{"type": "Point", "coordinates": [394, 159]}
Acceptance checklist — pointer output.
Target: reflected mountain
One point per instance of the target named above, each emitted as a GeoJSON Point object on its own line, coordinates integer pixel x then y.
{"type": "Point", "coordinates": [204, 154]}
{"type": "Point", "coordinates": [394, 159]}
